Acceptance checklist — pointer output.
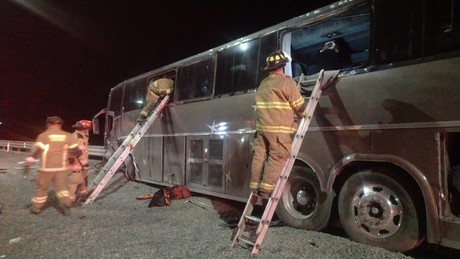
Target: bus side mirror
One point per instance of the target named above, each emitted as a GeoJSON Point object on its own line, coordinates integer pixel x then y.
{"type": "Point", "coordinates": [96, 129]}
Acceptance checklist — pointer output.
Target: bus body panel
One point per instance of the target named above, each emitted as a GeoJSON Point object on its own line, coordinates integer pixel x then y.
{"type": "Point", "coordinates": [402, 117]}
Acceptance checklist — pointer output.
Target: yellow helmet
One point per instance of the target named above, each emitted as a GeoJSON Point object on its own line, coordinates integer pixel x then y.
{"type": "Point", "coordinates": [275, 60]}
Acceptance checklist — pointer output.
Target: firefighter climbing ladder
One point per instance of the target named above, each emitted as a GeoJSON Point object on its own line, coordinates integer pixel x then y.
{"type": "Point", "coordinates": [264, 222]}
{"type": "Point", "coordinates": [119, 156]}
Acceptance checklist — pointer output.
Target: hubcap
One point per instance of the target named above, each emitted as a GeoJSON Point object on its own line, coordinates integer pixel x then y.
{"type": "Point", "coordinates": [301, 199]}
{"type": "Point", "coordinates": [377, 210]}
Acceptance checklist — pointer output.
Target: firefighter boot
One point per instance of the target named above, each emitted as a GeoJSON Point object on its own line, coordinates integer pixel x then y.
{"type": "Point", "coordinates": [141, 119]}
{"type": "Point", "coordinates": [66, 211]}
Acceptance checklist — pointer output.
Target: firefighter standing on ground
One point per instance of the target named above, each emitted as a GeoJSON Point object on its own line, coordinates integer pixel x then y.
{"type": "Point", "coordinates": [53, 147]}
{"type": "Point", "coordinates": [78, 177]}
{"type": "Point", "coordinates": [156, 90]}
{"type": "Point", "coordinates": [277, 100]}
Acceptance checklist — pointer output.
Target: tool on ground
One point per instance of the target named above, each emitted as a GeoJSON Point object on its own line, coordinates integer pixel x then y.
{"type": "Point", "coordinates": [119, 156]}
{"type": "Point", "coordinates": [197, 203]}
{"type": "Point", "coordinates": [249, 221]}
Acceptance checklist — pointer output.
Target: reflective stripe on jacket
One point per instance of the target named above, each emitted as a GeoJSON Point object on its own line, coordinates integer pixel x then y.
{"type": "Point", "coordinates": [276, 100]}
{"type": "Point", "coordinates": [54, 146]}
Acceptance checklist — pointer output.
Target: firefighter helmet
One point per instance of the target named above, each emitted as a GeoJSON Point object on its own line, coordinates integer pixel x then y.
{"type": "Point", "coordinates": [82, 125]}
{"type": "Point", "coordinates": [54, 120]}
{"type": "Point", "coordinates": [275, 60]}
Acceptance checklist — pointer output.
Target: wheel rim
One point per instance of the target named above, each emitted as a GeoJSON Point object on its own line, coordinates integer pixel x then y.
{"type": "Point", "coordinates": [300, 198]}
{"type": "Point", "coordinates": [377, 211]}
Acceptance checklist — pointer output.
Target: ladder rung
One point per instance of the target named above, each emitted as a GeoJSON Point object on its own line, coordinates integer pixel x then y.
{"type": "Point", "coordinates": [246, 240]}
{"type": "Point", "coordinates": [330, 110]}
{"type": "Point", "coordinates": [308, 81]}
{"type": "Point", "coordinates": [253, 218]}
{"type": "Point", "coordinates": [262, 196]}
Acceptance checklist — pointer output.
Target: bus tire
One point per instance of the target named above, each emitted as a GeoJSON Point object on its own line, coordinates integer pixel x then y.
{"type": "Point", "coordinates": [300, 205]}
{"type": "Point", "coordinates": [376, 209]}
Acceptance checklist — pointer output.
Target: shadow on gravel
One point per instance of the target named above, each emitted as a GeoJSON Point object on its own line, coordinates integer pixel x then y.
{"type": "Point", "coordinates": [114, 186]}
{"type": "Point", "coordinates": [431, 251]}
{"type": "Point", "coordinates": [231, 211]}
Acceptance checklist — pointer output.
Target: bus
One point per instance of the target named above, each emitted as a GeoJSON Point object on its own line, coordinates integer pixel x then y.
{"type": "Point", "coordinates": [381, 158]}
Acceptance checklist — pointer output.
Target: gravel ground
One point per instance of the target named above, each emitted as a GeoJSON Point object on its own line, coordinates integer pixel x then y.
{"type": "Point", "coordinates": [117, 225]}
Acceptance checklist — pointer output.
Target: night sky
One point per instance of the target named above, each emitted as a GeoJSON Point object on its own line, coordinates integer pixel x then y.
{"type": "Point", "coordinates": [62, 57]}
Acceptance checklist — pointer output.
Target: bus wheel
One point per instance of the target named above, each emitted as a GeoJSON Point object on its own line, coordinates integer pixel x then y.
{"type": "Point", "coordinates": [375, 209]}
{"type": "Point", "coordinates": [300, 205]}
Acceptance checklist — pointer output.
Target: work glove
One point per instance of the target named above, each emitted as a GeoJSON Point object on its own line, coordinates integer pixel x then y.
{"type": "Point", "coordinates": [302, 114]}
{"type": "Point", "coordinates": [30, 161]}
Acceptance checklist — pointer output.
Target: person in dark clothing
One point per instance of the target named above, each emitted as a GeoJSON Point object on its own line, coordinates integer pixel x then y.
{"type": "Point", "coordinates": [328, 57]}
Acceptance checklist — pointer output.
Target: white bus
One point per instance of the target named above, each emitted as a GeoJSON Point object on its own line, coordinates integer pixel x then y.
{"type": "Point", "coordinates": [382, 154]}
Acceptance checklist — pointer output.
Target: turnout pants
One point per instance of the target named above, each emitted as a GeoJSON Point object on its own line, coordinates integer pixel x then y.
{"type": "Point", "coordinates": [42, 182]}
{"type": "Point", "coordinates": [271, 151]}
{"type": "Point", "coordinates": [150, 100]}
{"type": "Point", "coordinates": [76, 180]}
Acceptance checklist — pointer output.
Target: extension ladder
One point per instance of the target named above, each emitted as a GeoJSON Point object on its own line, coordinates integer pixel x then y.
{"type": "Point", "coordinates": [119, 156]}
{"type": "Point", "coordinates": [264, 222]}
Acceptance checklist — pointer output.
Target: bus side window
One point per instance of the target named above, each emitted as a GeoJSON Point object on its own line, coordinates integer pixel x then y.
{"type": "Point", "coordinates": [237, 68]}
{"type": "Point", "coordinates": [134, 95]}
{"type": "Point", "coordinates": [424, 29]}
{"type": "Point", "coordinates": [116, 99]}
{"type": "Point", "coordinates": [442, 26]}
{"type": "Point", "coordinates": [346, 35]}
{"type": "Point", "coordinates": [169, 74]}
{"type": "Point", "coordinates": [195, 80]}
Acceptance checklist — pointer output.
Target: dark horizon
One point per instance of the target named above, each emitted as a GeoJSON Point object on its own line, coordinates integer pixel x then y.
{"type": "Point", "coordinates": [62, 58]}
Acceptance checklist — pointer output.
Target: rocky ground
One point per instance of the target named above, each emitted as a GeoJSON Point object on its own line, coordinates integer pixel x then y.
{"type": "Point", "coordinates": [117, 225]}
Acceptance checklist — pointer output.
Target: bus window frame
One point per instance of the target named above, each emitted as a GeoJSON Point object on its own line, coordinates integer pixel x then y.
{"type": "Point", "coordinates": [170, 74]}
{"type": "Point", "coordinates": [328, 18]}
{"type": "Point", "coordinates": [177, 84]}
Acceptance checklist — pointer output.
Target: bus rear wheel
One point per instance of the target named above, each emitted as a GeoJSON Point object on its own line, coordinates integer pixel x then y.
{"type": "Point", "coordinates": [375, 209]}
{"type": "Point", "coordinates": [300, 205]}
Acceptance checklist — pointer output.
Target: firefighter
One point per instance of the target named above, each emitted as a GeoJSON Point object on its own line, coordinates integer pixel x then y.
{"type": "Point", "coordinates": [156, 90]}
{"type": "Point", "coordinates": [277, 102]}
{"type": "Point", "coordinates": [78, 176]}
{"type": "Point", "coordinates": [53, 147]}
{"type": "Point", "coordinates": [328, 58]}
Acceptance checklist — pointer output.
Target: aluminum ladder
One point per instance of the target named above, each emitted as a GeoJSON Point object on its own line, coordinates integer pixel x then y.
{"type": "Point", "coordinates": [263, 223]}
{"type": "Point", "coordinates": [119, 156]}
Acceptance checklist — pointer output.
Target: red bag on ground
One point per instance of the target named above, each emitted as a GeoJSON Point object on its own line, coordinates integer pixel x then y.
{"type": "Point", "coordinates": [179, 192]}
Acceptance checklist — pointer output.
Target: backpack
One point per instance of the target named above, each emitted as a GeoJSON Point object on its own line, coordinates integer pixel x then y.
{"type": "Point", "coordinates": [179, 192]}
{"type": "Point", "coordinates": [160, 198]}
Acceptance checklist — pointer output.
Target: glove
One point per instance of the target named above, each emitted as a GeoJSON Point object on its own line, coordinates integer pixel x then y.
{"type": "Point", "coordinates": [30, 160]}
{"type": "Point", "coordinates": [302, 114]}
